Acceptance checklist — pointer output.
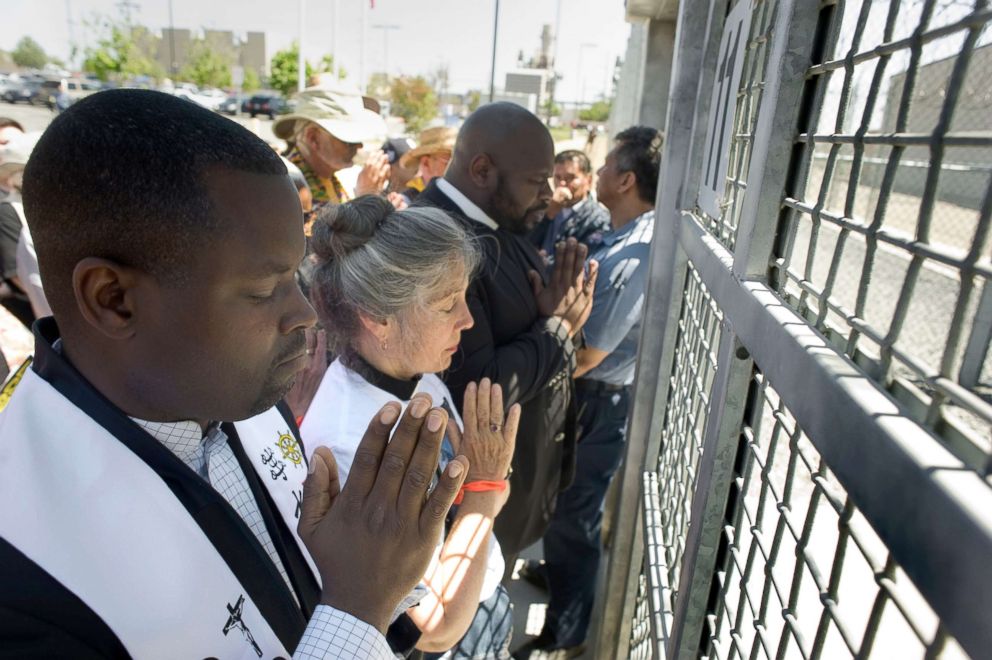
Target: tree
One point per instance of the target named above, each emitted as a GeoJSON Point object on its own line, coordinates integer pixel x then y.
{"type": "Point", "coordinates": [206, 67]}
{"type": "Point", "coordinates": [326, 65]}
{"type": "Point", "coordinates": [555, 109]}
{"type": "Point", "coordinates": [285, 69]}
{"type": "Point", "coordinates": [598, 111]}
{"type": "Point", "coordinates": [414, 101]}
{"type": "Point", "coordinates": [117, 56]}
{"type": "Point", "coordinates": [29, 54]}
{"type": "Point", "coordinates": [251, 81]}
{"type": "Point", "coordinates": [473, 99]}
{"type": "Point", "coordinates": [379, 86]}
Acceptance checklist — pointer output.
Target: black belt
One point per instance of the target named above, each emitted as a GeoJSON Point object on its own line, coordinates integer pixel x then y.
{"type": "Point", "coordinates": [598, 386]}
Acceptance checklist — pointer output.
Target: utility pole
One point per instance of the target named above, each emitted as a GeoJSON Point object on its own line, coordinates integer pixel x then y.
{"type": "Point", "coordinates": [172, 44]}
{"type": "Point", "coordinates": [492, 72]}
{"type": "Point", "coordinates": [553, 64]}
{"type": "Point", "coordinates": [580, 77]}
{"type": "Point", "coordinates": [126, 6]}
{"type": "Point", "coordinates": [301, 62]}
{"type": "Point", "coordinates": [72, 36]}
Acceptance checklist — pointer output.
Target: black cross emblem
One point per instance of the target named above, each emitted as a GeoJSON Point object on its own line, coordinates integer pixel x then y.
{"type": "Point", "coordinates": [234, 622]}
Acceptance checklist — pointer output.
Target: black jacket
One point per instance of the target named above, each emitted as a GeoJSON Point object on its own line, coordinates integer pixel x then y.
{"type": "Point", "coordinates": [532, 358]}
{"type": "Point", "coordinates": [588, 220]}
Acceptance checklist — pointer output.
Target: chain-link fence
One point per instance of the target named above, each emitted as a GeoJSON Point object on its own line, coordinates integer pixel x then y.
{"type": "Point", "coordinates": [801, 571]}
{"type": "Point", "coordinates": [886, 235]}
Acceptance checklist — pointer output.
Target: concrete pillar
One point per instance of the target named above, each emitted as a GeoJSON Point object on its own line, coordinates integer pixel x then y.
{"type": "Point", "coordinates": [642, 91]}
{"type": "Point", "coordinates": [658, 62]}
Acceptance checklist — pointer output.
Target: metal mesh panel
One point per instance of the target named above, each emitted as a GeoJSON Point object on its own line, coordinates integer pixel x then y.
{"type": "Point", "coordinates": [884, 243]}
{"type": "Point", "coordinates": [745, 117]}
{"type": "Point", "coordinates": [685, 420]}
{"type": "Point", "coordinates": [801, 574]}
{"type": "Point", "coordinates": [641, 647]}
{"type": "Point", "coordinates": [668, 493]}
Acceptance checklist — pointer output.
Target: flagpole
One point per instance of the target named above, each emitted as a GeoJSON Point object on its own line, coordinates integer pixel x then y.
{"type": "Point", "coordinates": [492, 73]}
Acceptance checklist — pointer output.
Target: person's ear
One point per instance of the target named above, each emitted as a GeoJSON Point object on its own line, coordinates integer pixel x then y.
{"type": "Point", "coordinates": [483, 172]}
{"type": "Point", "coordinates": [312, 137]}
{"type": "Point", "coordinates": [378, 328]}
{"type": "Point", "coordinates": [626, 182]}
{"type": "Point", "coordinates": [106, 295]}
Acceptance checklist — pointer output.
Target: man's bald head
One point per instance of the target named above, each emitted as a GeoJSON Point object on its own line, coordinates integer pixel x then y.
{"type": "Point", "coordinates": [501, 130]}
{"type": "Point", "coordinates": [502, 161]}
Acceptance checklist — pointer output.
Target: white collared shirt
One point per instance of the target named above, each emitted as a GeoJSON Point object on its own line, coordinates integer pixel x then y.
{"type": "Point", "coordinates": [466, 205]}
{"type": "Point", "coordinates": [330, 633]}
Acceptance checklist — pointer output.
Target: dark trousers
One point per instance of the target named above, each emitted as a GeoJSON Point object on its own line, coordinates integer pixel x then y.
{"type": "Point", "coordinates": [572, 544]}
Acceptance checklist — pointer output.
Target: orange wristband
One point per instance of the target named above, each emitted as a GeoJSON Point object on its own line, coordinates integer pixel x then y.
{"type": "Point", "coordinates": [479, 487]}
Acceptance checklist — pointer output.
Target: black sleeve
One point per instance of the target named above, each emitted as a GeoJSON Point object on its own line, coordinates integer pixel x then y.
{"type": "Point", "coordinates": [523, 367]}
{"type": "Point", "coordinates": [10, 231]}
{"type": "Point", "coordinates": [39, 618]}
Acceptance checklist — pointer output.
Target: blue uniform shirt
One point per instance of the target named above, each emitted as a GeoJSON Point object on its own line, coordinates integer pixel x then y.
{"type": "Point", "coordinates": [615, 322]}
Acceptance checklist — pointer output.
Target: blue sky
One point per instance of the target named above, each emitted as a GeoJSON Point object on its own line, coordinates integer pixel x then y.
{"type": "Point", "coordinates": [431, 32]}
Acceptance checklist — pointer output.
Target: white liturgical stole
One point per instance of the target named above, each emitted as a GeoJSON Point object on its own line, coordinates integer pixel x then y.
{"type": "Point", "coordinates": [98, 519]}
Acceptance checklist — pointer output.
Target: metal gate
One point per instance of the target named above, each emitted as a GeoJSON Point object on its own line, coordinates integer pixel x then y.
{"type": "Point", "coordinates": [808, 462]}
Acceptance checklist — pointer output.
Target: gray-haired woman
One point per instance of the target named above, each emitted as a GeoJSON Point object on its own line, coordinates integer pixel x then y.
{"type": "Point", "coordinates": [390, 290]}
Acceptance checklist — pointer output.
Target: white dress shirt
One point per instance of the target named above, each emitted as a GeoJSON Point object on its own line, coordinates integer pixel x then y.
{"type": "Point", "coordinates": [330, 633]}
{"type": "Point", "coordinates": [467, 206]}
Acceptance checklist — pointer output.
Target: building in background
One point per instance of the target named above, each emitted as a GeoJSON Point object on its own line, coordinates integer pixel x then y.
{"type": "Point", "coordinates": [173, 49]}
{"type": "Point", "coordinates": [252, 54]}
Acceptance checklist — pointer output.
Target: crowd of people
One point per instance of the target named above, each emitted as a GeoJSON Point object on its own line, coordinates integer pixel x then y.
{"type": "Point", "coordinates": [273, 414]}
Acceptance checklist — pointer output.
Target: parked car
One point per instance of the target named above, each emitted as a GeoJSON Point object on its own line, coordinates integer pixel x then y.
{"type": "Point", "coordinates": [229, 106]}
{"type": "Point", "coordinates": [48, 92]}
{"type": "Point", "coordinates": [210, 98]}
{"type": "Point", "coordinates": [21, 91]}
{"type": "Point", "coordinates": [263, 104]}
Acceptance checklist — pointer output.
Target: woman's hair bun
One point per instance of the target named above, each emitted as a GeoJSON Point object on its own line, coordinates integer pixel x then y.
{"type": "Point", "coordinates": [343, 228]}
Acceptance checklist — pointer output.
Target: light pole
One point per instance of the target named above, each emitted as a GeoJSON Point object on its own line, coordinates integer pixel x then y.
{"type": "Point", "coordinates": [554, 63]}
{"type": "Point", "coordinates": [582, 95]}
{"type": "Point", "coordinates": [172, 45]}
{"type": "Point", "coordinates": [492, 71]}
{"type": "Point", "coordinates": [385, 43]}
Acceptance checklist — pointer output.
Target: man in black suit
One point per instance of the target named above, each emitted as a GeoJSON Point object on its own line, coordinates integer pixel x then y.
{"type": "Point", "coordinates": [572, 213]}
{"type": "Point", "coordinates": [497, 185]}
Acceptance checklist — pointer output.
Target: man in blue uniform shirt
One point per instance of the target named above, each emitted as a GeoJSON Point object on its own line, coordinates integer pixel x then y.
{"type": "Point", "coordinates": [604, 375]}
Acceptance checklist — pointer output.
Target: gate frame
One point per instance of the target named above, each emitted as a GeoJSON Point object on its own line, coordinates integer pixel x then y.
{"type": "Point", "coordinates": [913, 491]}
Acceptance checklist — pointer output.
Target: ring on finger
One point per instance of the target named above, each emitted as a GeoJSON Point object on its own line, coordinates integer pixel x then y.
{"type": "Point", "coordinates": [494, 427]}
